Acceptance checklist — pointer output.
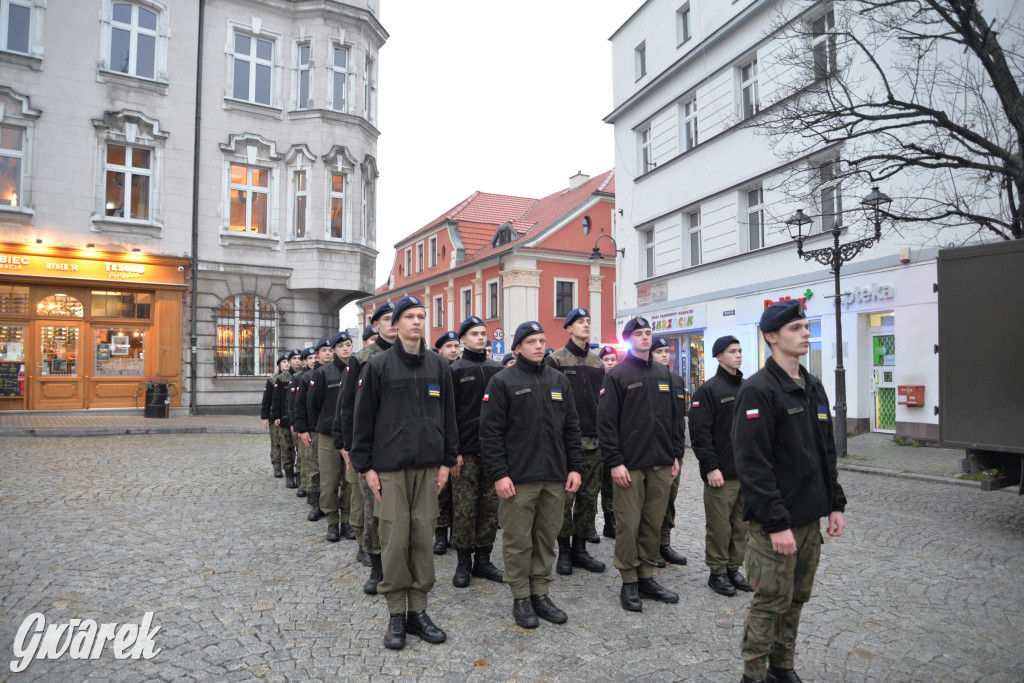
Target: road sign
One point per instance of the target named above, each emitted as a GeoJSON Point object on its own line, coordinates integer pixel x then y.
{"type": "Point", "coordinates": [497, 348]}
{"type": "Point", "coordinates": [499, 334]}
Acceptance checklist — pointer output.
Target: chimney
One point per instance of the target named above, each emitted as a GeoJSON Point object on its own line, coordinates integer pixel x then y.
{"type": "Point", "coordinates": [578, 180]}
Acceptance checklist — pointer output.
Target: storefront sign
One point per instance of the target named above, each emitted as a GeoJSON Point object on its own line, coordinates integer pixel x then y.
{"type": "Point", "coordinates": [653, 293]}
{"type": "Point", "coordinates": [48, 262]}
{"type": "Point", "coordinates": [802, 299]}
{"type": "Point", "coordinates": [863, 295]}
{"type": "Point", "coordinates": [731, 311]}
{"type": "Point", "coordinates": [694, 317]}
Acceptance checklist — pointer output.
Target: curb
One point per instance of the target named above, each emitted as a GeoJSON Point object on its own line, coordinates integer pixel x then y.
{"type": "Point", "coordinates": [909, 475]}
{"type": "Point", "coordinates": [122, 431]}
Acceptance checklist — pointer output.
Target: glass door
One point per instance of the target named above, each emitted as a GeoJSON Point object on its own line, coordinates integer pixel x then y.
{"type": "Point", "coordinates": [883, 373]}
{"type": "Point", "coordinates": [58, 379]}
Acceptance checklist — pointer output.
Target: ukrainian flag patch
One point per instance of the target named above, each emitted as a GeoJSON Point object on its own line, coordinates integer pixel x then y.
{"type": "Point", "coordinates": [433, 391]}
{"type": "Point", "coordinates": [822, 412]}
{"type": "Point", "coordinates": [663, 386]}
{"type": "Point", "coordinates": [556, 395]}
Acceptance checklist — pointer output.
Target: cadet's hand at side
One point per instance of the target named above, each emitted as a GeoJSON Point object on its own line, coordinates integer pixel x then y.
{"type": "Point", "coordinates": [307, 440]}
{"type": "Point", "coordinates": [572, 484]}
{"type": "Point", "coordinates": [505, 488]}
{"type": "Point", "coordinates": [783, 542]}
{"type": "Point", "coordinates": [344, 455]}
{"type": "Point", "coordinates": [715, 479]}
{"type": "Point", "coordinates": [373, 481]}
{"type": "Point", "coordinates": [457, 470]}
{"type": "Point", "coordinates": [266, 423]}
{"type": "Point", "coordinates": [442, 477]}
{"type": "Point", "coordinates": [675, 467]}
{"type": "Point", "coordinates": [836, 524]}
{"type": "Point", "coordinates": [620, 475]}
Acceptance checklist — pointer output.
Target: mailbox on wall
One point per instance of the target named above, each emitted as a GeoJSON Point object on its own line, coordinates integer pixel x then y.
{"type": "Point", "coordinates": [911, 396]}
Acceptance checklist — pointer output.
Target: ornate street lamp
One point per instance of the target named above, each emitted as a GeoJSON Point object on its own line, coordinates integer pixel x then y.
{"type": "Point", "coordinates": [596, 254]}
{"type": "Point", "coordinates": [834, 257]}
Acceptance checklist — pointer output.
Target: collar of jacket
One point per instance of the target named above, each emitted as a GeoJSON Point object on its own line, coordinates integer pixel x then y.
{"type": "Point", "coordinates": [382, 343]}
{"type": "Point", "coordinates": [571, 347]}
{"type": "Point", "coordinates": [729, 377]}
{"type": "Point", "coordinates": [475, 356]}
{"type": "Point", "coordinates": [639, 362]}
{"type": "Point", "coordinates": [785, 381]}
{"type": "Point", "coordinates": [339, 363]}
{"type": "Point", "coordinates": [409, 358]}
{"type": "Point", "coordinates": [528, 365]}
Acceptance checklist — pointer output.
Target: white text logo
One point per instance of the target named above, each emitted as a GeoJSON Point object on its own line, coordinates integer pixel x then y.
{"type": "Point", "coordinates": [81, 639]}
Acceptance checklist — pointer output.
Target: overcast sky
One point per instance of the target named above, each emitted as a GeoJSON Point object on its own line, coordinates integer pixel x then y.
{"type": "Point", "coordinates": [502, 97]}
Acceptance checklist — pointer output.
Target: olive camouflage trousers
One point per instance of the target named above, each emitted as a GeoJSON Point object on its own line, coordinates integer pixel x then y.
{"type": "Point", "coordinates": [474, 506]}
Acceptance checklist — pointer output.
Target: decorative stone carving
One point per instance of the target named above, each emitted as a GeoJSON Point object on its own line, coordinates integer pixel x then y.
{"type": "Point", "coordinates": [521, 277]}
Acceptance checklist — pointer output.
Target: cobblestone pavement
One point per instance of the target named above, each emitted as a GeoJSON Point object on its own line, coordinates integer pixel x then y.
{"type": "Point", "coordinates": [924, 586]}
{"type": "Point", "coordinates": [79, 424]}
{"type": "Point", "coordinates": [874, 449]}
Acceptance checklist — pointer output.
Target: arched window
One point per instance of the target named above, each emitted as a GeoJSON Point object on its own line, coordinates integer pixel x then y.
{"type": "Point", "coordinates": [60, 306]}
{"type": "Point", "coordinates": [246, 336]}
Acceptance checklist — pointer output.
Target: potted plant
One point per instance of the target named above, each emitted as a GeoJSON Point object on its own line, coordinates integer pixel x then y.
{"type": "Point", "coordinates": [158, 391]}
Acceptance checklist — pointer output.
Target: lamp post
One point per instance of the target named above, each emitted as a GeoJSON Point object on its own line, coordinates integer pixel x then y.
{"type": "Point", "coordinates": [595, 253]}
{"type": "Point", "coordinates": [596, 256]}
{"type": "Point", "coordinates": [834, 257]}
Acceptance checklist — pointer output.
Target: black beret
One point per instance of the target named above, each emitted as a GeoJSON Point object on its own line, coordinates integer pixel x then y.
{"type": "Point", "coordinates": [574, 315]}
{"type": "Point", "coordinates": [507, 357]}
{"type": "Point", "coordinates": [283, 356]}
{"type": "Point", "coordinates": [307, 352]}
{"type": "Point", "coordinates": [659, 343]}
{"type": "Point", "coordinates": [448, 336]}
{"type": "Point", "coordinates": [637, 323]}
{"type": "Point", "coordinates": [468, 324]}
{"type": "Point", "coordinates": [369, 331]}
{"type": "Point", "coordinates": [342, 336]}
{"type": "Point", "coordinates": [722, 343]}
{"type": "Point", "coordinates": [403, 305]}
{"type": "Point", "coordinates": [325, 342]}
{"type": "Point", "coordinates": [527, 329]}
{"type": "Point", "coordinates": [777, 315]}
{"type": "Point", "coordinates": [293, 353]}
{"type": "Point", "coordinates": [383, 309]}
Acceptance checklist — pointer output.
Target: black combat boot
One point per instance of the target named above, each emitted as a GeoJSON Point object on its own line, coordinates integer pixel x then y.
{"type": "Point", "coordinates": [739, 581]}
{"type": "Point", "coordinates": [440, 541]}
{"type": "Point", "coordinates": [316, 513]}
{"type": "Point", "coordinates": [483, 567]}
{"type": "Point", "coordinates": [649, 588]}
{"type": "Point", "coordinates": [347, 531]}
{"type": "Point", "coordinates": [629, 597]}
{"type": "Point", "coordinates": [748, 679]}
{"type": "Point", "coordinates": [609, 525]}
{"type": "Point", "coordinates": [671, 556]}
{"type": "Point", "coordinates": [394, 637]}
{"type": "Point", "coordinates": [463, 569]}
{"type": "Point", "coordinates": [333, 533]}
{"type": "Point", "coordinates": [777, 675]}
{"type": "Point", "coordinates": [563, 565]}
{"type": "Point", "coordinates": [419, 624]}
{"type": "Point", "coordinates": [593, 538]}
{"type": "Point", "coordinates": [546, 610]}
{"type": "Point", "coordinates": [582, 559]}
{"type": "Point", "coordinates": [376, 575]}
{"type": "Point", "coordinates": [363, 557]}
{"type": "Point", "coordinates": [522, 612]}
{"type": "Point", "coordinates": [290, 482]}
{"type": "Point", "coordinates": [721, 585]}
{"type": "Point", "coordinates": [278, 473]}
{"type": "Point", "coordinates": [301, 493]}
{"type": "Point", "coordinates": [661, 561]}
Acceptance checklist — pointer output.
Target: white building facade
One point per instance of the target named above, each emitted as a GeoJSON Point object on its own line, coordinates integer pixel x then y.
{"type": "Point", "coordinates": [702, 214]}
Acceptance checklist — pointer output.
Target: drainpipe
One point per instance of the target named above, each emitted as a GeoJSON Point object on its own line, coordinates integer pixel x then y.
{"type": "Point", "coordinates": [194, 294]}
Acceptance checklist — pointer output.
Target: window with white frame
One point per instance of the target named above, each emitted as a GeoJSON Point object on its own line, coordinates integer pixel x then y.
{"type": "Point", "coordinates": [755, 217]}
{"type": "Point", "coordinates": [246, 336]}
{"type": "Point", "coordinates": [565, 297]}
{"type": "Point", "coordinates": [133, 40]}
{"type": "Point", "coordinates": [438, 311]}
{"type": "Point", "coordinates": [645, 149]}
{"type": "Point", "coordinates": [301, 191]}
{"type": "Point", "coordinates": [302, 66]}
{"type": "Point", "coordinates": [693, 223]}
{"type": "Point", "coordinates": [12, 163]}
{"type": "Point", "coordinates": [339, 78]}
{"type": "Point", "coordinates": [683, 24]}
{"type": "Point", "coordinates": [750, 102]}
{"type": "Point", "coordinates": [830, 195]}
{"type": "Point", "coordinates": [492, 299]}
{"type": "Point", "coordinates": [366, 213]}
{"type": "Point", "coordinates": [249, 199]}
{"type": "Point", "coordinates": [432, 248]}
{"type": "Point", "coordinates": [337, 222]}
{"type": "Point", "coordinates": [814, 352]}
{"type": "Point", "coordinates": [823, 44]}
{"type": "Point", "coordinates": [252, 68]}
{"type": "Point", "coordinates": [15, 25]}
{"type": "Point", "coordinates": [689, 124]}
{"type": "Point", "coordinates": [419, 257]}
{"type": "Point", "coordinates": [128, 174]}
{"type": "Point", "coordinates": [647, 249]}
{"type": "Point", "coordinates": [467, 302]}
{"type": "Point", "coordinates": [369, 88]}
{"type": "Point", "coordinates": [640, 60]}
{"type": "Point", "coordinates": [408, 262]}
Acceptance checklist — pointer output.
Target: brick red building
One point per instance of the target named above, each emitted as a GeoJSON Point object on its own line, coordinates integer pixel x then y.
{"type": "Point", "coordinates": [510, 259]}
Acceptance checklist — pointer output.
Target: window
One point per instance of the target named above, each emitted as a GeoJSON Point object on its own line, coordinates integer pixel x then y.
{"type": "Point", "coordinates": [303, 68]}
{"type": "Point", "coordinates": [133, 36]}
{"type": "Point", "coordinates": [253, 69]}
{"type": "Point", "coordinates": [338, 205]}
{"type": "Point", "coordinates": [689, 132]}
{"type": "Point", "coordinates": [128, 175]}
{"type": "Point", "coordinates": [369, 87]}
{"type": "Point", "coordinates": [118, 352]}
{"type": "Point", "coordinates": [683, 24]}
{"type": "Point", "coordinates": [438, 311]}
{"type": "Point", "coordinates": [467, 302]}
{"type": "Point", "coordinates": [12, 156]}
{"type": "Point", "coordinates": [830, 195]}
{"type": "Point", "coordinates": [565, 297]}
{"type": "Point", "coordinates": [586, 225]}
{"type": "Point", "coordinates": [640, 60]}
{"type": "Point", "coordinates": [492, 299]}
{"type": "Point", "coordinates": [339, 79]}
{"type": "Point", "coordinates": [823, 45]}
{"type": "Point", "coordinates": [693, 220]}
{"type": "Point", "coordinates": [646, 150]}
{"type": "Point", "coordinates": [246, 336]}
{"type": "Point", "coordinates": [301, 198]}
{"type": "Point", "coordinates": [250, 195]}
{"type": "Point", "coordinates": [814, 353]}
{"type": "Point", "coordinates": [647, 247]}
{"type": "Point", "coordinates": [129, 305]}
{"type": "Point", "coordinates": [14, 300]}
{"type": "Point", "coordinates": [750, 102]}
{"type": "Point", "coordinates": [368, 171]}
{"type": "Point", "coordinates": [755, 218]}
{"type": "Point", "coordinates": [419, 257]}
{"type": "Point", "coordinates": [408, 262]}
{"type": "Point", "coordinates": [15, 22]}
{"type": "Point", "coordinates": [433, 251]}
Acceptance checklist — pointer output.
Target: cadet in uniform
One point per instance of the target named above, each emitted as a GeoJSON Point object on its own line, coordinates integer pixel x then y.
{"type": "Point", "coordinates": [404, 442]}
{"type": "Point", "coordinates": [322, 353]}
{"type": "Point", "coordinates": [585, 372]}
{"type": "Point", "coordinates": [365, 525]}
{"type": "Point", "coordinates": [268, 397]}
{"type": "Point", "coordinates": [610, 360]}
{"type": "Point", "coordinates": [508, 359]}
{"type": "Point", "coordinates": [661, 353]}
{"type": "Point", "coordinates": [786, 461]}
{"type": "Point", "coordinates": [279, 416]}
{"type": "Point", "coordinates": [321, 403]}
{"type": "Point", "coordinates": [530, 440]}
{"type": "Point", "coordinates": [637, 422]}
{"type": "Point", "coordinates": [711, 415]}
{"type": "Point", "coordinates": [305, 364]}
{"type": "Point", "coordinates": [474, 501]}
{"type": "Point", "coordinates": [447, 346]}
{"type": "Point", "coordinates": [369, 334]}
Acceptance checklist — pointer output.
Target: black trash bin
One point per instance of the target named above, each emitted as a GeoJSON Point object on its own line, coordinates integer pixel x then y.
{"type": "Point", "coordinates": [158, 400]}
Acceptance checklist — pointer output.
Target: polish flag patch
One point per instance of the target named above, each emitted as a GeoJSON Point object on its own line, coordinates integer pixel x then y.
{"type": "Point", "coordinates": [487, 397]}
{"type": "Point", "coordinates": [310, 382]}
{"type": "Point", "coordinates": [695, 404]}
{"type": "Point", "coordinates": [360, 382]}
{"type": "Point", "coordinates": [602, 392]}
{"type": "Point", "coordinates": [346, 368]}
{"type": "Point", "coordinates": [753, 414]}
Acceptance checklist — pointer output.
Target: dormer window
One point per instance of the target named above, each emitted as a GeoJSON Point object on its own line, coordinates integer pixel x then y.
{"type": "Point", "coordinates": [504, 234]}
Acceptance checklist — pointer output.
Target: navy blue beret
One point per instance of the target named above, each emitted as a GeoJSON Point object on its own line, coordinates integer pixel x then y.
{"type": "Point", "coordinates": [527, 329]}
{"type": "Point", "coordinates": [383, 309]}
{"type": "Point", "coordinates": [448, 336]}
{"type": "Point", "coordinates": [294, 352]}
{"type": "Point", "coordinates": [574, 315]}
{"type": "Point", "coordinates": [283, 356]}
{"type": "Point", "coordinates": [403, 305]}
{"type": "Point", "coordinates": [637, 323]}
{"type": "Point", "coordinates": [507, 357]}
{"type": "Point", "coordinates": [777, 315]}
{"type": "Point", "coordinates": [468, 324]}
{"type": "Point", "coordinates": [722, 343]}
{"type": "Point", "coordinates": [659, 343]}
{"type": "Point", "coordinates": [307, 352]}
{"type": "Point", "coordinates": [325, 342]}
{"type": "Point", "coordinates": [342, 336]}
{"type": "Point", "coordinates": [369, 331]}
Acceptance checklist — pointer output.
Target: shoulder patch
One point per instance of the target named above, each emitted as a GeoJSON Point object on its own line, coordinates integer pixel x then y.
{"type": "Point", "coordinates": [727, 399]}
{"type": "Point", "coordinates": [663, 387]}
{"type": "Point", "coordinates": [753, 414]}
{"type": "Point", "coordinates": [695, 404]}
{"type": "Point", "coordinates": [634, 385]}
{"type": "Point", "coordinates": [556, 395]}
{"type": "Point", "coordinates": [822, 412]}
{"type": "Point", "coordinates": [433, 391]}
{"type": "Point", "coordinates": [487, 397]}
{"type": "Point", "coordinates": [602, 392]}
